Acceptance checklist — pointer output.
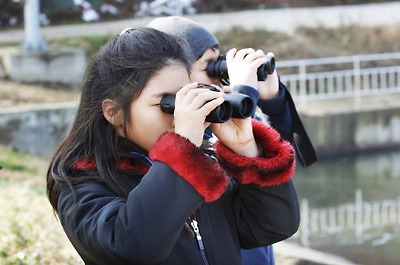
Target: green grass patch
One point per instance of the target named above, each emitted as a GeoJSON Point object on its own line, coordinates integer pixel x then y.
{"type": "Point", "coordinates": [4, 183]}
{"type": "Point", "coordinates": [10, 166]}
{"type": "Point", "coordinates": [20, 162]}
{"type": "Point", "coordinates": [90, 44]}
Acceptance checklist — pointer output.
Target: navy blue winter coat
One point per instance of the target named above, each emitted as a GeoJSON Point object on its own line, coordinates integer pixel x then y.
{"type": "Point", "coordinates": [240, 202]}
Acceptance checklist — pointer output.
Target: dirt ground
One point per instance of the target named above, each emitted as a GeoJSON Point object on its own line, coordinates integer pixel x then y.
{"type": "Point", "coordinates": [14, 94]}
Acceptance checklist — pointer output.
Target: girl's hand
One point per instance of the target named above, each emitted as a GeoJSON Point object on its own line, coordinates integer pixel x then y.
{"type": "Point", "coordinates": [237, 135]}
{"type": "Point", "coordinates": [269, 88]}
{"type": "Point", "coordinates": [243, 64]}
{"type": "Point", "coordinates": [192, 105]}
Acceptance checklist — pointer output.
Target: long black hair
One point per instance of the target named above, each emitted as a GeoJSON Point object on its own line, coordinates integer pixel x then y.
{"type": "Point", "coordinates": [119, 71]}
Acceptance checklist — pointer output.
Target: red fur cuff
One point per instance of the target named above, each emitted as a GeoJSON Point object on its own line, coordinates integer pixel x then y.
{"type": "Point", "coordinates": [275, 166]}
{"type": "Point", "coordinates": [191, 164]}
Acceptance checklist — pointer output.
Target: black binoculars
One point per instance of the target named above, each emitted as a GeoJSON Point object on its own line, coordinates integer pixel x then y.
{"type": "Point", "coordinates": [219, 68]}
{"type": "Point", "coordinates": [235, 105]}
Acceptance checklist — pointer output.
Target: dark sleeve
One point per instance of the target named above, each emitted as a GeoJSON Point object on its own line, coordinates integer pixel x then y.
{"type": "Point", "coordinates": [266, 215]}
{"type": "Point", "coordinates": [285, 119]}
{"type": "Point", "coordinates": [278, 111]}
{"type": "Point", "coordinates": [107, 229]}
{"type": "Point", "coordinates": [266, 206]}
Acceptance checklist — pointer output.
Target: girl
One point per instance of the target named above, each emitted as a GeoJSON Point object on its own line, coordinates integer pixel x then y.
{"type": "Point", "coordinates": [131, 184]}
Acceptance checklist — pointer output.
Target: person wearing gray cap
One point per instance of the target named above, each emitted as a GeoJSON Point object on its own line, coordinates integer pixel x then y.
{"type": "Point", "coordinates": [270, 95]}
{"type": "Point", "coordinates": [198, 38]}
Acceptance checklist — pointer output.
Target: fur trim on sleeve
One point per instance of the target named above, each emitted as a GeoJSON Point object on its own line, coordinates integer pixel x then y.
{"type": "Point", "coordinates": [275, 166]}
{"type": "Point", "coordinates": [191, 164]}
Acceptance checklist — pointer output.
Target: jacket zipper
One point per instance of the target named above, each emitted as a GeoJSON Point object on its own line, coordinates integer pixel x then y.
{"type": "Point", "coordinates": [194, 224]}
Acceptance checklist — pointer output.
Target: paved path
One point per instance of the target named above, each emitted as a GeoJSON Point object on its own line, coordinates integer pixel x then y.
{"type": "Point", "coordinates": [304, 255]}
{"type": "Point", "coordinates": [349, 105]}
{"type": "Point", "coordinates": [284, 20]}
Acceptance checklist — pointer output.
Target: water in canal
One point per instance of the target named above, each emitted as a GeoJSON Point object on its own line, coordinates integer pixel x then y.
{"type": "Point", "coordinates": [350, 206]}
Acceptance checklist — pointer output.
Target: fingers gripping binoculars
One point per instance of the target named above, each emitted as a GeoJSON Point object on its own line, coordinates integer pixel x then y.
{"type": "Point", "coordinates": [235, 105]}
{"type": "Point", "coordinates": [219, 68]}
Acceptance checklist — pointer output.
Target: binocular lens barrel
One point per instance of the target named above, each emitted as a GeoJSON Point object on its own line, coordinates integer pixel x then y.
{"type": "Point", "coordinates": [235, 105]}
{"type": "Point", "coordinates": [220, 114]}
{"type": "Point", "coordinates": [219, 68]}
{"type": "Point", "coordinates": [242, 105]}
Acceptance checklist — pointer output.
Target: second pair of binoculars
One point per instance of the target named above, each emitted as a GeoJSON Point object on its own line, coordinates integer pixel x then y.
{"type": "Point", "coordinates": [235, 105]}
{"type": "Point", "coordinates": [219, 69]}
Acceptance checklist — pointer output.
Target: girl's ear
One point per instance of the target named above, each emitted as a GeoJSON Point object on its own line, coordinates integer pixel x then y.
{"type": "Point", "coordinates": [112, 114]}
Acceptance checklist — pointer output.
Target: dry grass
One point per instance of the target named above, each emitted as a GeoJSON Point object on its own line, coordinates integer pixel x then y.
{"type": "Point", "coordinates": [29, 231]}
{"type": "Point", "coordinates": [316, 42]}
{"type": "Point", "coordinates": [13, 94]}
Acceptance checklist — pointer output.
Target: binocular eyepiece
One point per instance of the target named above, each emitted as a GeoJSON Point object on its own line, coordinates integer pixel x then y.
{"type": "Point", "coordinates": [219, 68]}
{"type": "Point", "coordinates": [235, 105]}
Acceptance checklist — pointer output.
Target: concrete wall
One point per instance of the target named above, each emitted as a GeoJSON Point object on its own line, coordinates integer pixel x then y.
{"type": "Point", "coordinates": [36, 130]}
{"type": "Point", "coordinates": [346, 133]}
{"type": "Point", "coordinates": [39, 130]}
{"type": "Point", "coordinates": [62, 65]}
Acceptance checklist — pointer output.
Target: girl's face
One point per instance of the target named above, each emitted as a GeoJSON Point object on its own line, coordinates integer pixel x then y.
{"type": "Point", "coordinates": [147, 120]}
{"type": "Point", "coordinates": [199, 68]}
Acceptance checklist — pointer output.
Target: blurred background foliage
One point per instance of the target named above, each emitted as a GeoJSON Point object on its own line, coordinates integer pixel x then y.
{"type": "Point", "coordinates": [78, 11]}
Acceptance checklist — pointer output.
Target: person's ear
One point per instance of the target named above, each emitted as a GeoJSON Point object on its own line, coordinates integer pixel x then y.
{"type": "Point", "coordinates": [111, 113]}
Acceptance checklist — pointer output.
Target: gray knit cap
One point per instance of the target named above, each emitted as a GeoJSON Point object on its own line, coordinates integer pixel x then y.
{"type": "Point", "coordinates": [197, 36]}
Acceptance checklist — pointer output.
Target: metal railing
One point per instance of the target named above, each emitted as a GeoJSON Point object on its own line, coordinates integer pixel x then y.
{"type": "Point", "coordinates": [339, 77]}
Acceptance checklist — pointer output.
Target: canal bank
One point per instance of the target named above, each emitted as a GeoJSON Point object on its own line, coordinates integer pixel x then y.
{"type": "Point", "coordinates": [346, 126]}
